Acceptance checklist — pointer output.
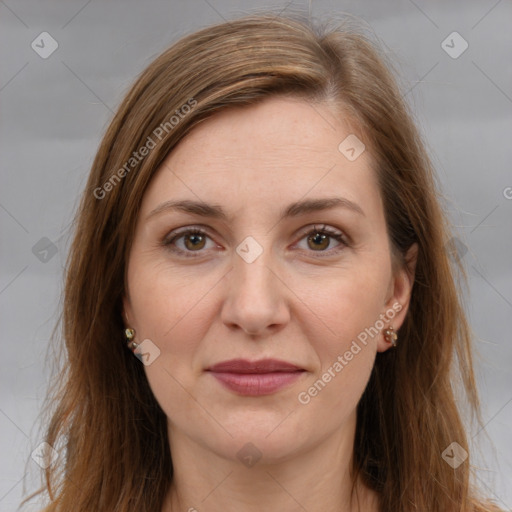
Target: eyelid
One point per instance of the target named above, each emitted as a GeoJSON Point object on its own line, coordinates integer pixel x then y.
{"type": "Point", "coordinates": [322, 228]}
{"type": "Point", "coordinates": [175, 233]}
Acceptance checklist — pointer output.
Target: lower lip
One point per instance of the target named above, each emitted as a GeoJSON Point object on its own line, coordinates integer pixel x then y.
{"type": "Point", "coordinates": [256, 384]}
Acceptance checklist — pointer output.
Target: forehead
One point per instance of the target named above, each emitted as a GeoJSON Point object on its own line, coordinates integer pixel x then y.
{"type": "Point", "coordinates": [274, 152]}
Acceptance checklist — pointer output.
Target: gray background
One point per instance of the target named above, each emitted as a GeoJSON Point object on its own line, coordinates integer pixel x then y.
{"type": "Point", "coordinates": [54, 111]}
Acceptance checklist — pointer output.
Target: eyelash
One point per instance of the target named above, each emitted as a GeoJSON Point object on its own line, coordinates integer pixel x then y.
{"type": "Point", "coordinates": [323, 230]}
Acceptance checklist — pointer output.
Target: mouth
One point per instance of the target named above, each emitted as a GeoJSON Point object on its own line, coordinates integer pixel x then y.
{"type": "Point", "coordinates": [255, 378]}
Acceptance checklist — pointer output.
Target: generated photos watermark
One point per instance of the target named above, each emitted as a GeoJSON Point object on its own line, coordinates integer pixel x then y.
{"type": "Point", "coordinates": [343, 360]}
{"type": "Point", "coordinates": [44, 455]}
{"type": "Point", "coordinates": [147, 352]}
{"type": "Point", "coordinates": [454, 455]}
{"type": "Point", "coordinates": [151, 142]}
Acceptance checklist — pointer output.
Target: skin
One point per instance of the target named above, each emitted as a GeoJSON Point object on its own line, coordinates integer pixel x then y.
{"type": "Point", "coordinates": [296, 302]}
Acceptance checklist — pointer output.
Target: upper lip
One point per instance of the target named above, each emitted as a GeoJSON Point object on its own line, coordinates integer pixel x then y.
{"type": "Point", "coordinates": [260, 366]}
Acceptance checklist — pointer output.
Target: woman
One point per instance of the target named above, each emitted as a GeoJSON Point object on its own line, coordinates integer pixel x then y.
{"type": "Point", "coordinates": [261, 229]}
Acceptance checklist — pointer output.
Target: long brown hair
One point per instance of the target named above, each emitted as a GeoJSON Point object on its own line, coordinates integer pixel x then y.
{"type": "Point", "coordinates": [111, 429]}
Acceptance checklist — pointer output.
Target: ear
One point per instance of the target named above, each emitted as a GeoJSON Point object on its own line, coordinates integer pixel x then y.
{"type": "Point", "coordinates": [400, 290]}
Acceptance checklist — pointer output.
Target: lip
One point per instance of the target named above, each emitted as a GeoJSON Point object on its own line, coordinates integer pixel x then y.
{"type": "Point", "coordinates": [260, 366]}
{"type": "Point", "coordinates": [255, 378]}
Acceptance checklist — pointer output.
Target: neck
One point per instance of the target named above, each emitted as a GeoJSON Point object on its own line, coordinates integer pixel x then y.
{"type": "Point", "coordinates": [317, 479]}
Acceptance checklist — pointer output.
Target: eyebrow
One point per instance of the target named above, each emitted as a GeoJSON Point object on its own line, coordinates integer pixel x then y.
{"type": "Point", "coordinates": [293, 210]}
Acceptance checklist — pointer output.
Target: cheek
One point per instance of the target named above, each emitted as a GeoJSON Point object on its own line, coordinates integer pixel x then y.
{"type": "Point", "coordinates": [347, 306]}
{"type": "Point", "coordinates": [345, 363]}
{"type": "Point", "coordinates": [173, 309]}
{"type": "Point", "coordinates": [175, 313]}
{"type": "Point", "coordinates": [343, 332]}
{"type": "Point", "coordinates": [165, 299]}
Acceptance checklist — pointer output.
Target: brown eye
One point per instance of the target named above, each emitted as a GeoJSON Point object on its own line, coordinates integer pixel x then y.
{"type": "Point", "coordinates": [324, 241]}
{"type": "Point", "coordinates": [194, 241]}
{"type": "Point", "coordinates": [318, 241]}
{"type": "Point", "coordinates": [189, 241]}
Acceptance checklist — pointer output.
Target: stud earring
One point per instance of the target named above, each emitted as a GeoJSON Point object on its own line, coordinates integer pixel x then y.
{"type": "Point", "coordinates": [390, 335]}
{"type": "Point", "coordinates": [130, 334]}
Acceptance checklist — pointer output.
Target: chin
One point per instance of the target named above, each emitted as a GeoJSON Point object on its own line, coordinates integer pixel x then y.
{"type": "Point", "coordinates": [266, 438]}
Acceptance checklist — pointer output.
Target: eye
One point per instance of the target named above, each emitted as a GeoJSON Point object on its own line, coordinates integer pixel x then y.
{"type": "Point", "coordinates": [189, 240]}
{"type": "Point", "coordinates": [192, 240]}
{"type": "Point", "coordinates": [319, 239]}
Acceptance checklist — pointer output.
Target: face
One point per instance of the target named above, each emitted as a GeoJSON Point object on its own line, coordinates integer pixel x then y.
{"type": "Point", "coordinates": [258, 239]}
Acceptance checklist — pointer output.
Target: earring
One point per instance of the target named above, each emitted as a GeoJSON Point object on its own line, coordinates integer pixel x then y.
{"type": "Point", "coordinates": [130, 334]}
{"type": "Point", "coordinates": [390, 335]}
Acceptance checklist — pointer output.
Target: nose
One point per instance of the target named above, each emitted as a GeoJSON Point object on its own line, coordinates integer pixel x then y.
{"type": "Point", "coordinates": [256, 298]}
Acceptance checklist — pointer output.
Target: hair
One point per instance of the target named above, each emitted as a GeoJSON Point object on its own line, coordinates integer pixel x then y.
{"type": "Point", "coordinates": [105, 417]}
